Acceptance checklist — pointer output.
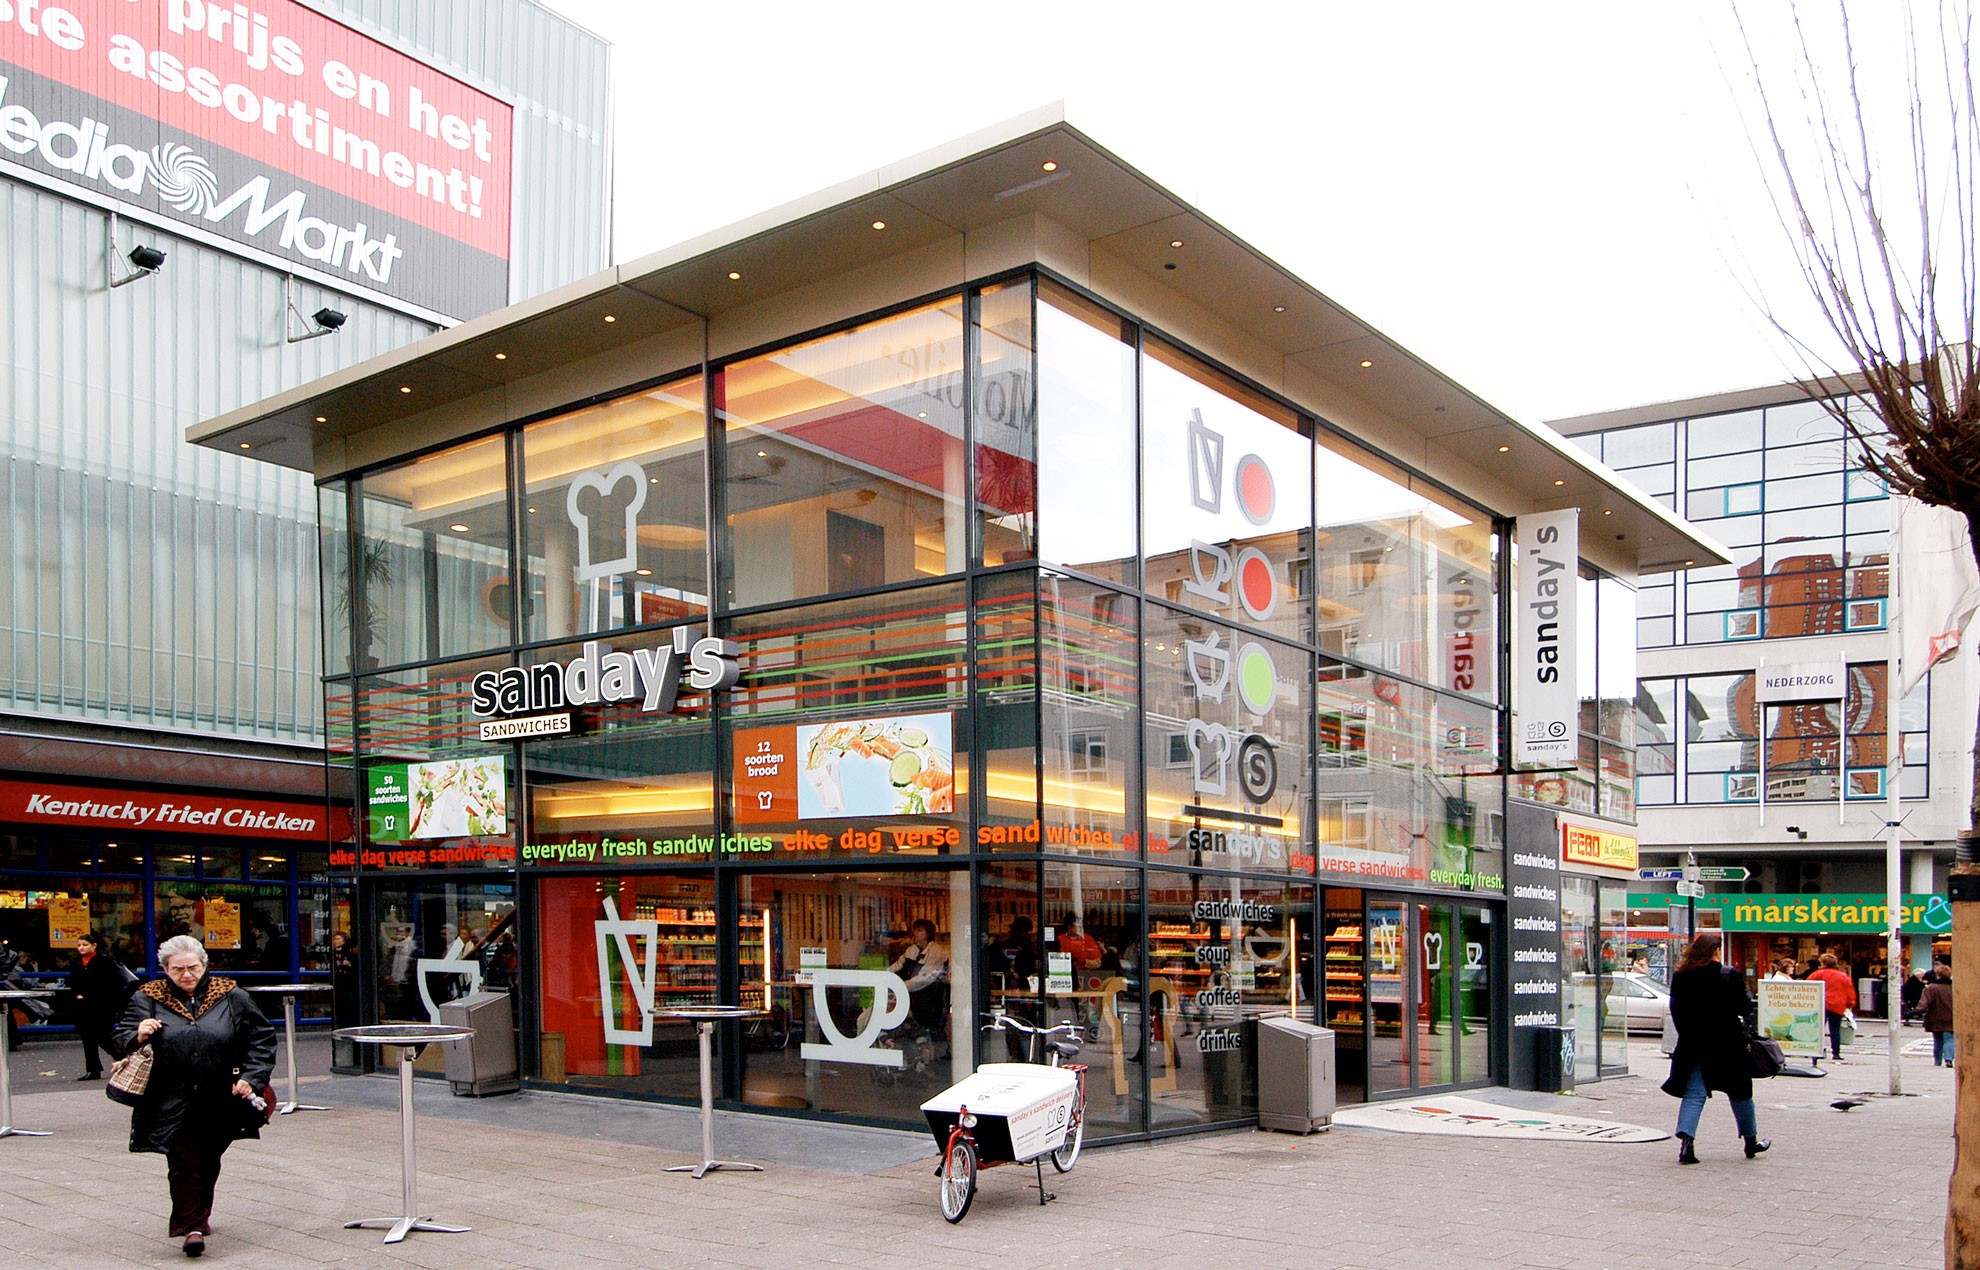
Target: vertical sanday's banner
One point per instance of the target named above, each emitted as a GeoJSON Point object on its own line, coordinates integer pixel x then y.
{"type": "Point", "coordinates": [1545, 636]}
{"type": "Point", "coordinates": [271, 125]}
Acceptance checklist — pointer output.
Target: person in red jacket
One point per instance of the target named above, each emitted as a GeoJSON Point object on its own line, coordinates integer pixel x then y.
{"type": "Point", "coordinates": [1840, 997]}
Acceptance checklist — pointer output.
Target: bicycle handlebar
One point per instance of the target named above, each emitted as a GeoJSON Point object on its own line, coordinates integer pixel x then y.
{"type": "Point", "coordinates": [1001, 1021]}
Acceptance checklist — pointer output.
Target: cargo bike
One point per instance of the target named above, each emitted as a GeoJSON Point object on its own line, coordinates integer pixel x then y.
{"type": "Point", "coordinates": [1011, 1113]}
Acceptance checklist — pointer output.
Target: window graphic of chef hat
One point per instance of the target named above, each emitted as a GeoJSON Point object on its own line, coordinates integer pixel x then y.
{"type": "Point", "coordinates": [603, 483]}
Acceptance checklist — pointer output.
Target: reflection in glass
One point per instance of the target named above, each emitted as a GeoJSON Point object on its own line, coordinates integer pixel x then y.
{"type": "Point", "coordinates": [432, 546]}
{"type": "Point", "coordinates": [1228, 496]}
{"type": "Point", "coordinates": [614, 517]}
{"type": "Point", "coordinates": [843, 460]}
{"type": "Point", "coordinates": [1086, 472]}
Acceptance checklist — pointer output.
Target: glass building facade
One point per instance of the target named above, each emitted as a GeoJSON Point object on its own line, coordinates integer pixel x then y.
{"type": "Point", "coordinates": [1076, 677]}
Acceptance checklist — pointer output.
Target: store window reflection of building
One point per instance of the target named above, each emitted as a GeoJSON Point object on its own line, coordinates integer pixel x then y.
{"type": "Point", "coordinates": [437, 941]}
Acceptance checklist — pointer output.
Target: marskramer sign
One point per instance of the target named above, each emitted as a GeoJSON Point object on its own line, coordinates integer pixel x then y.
{"type": "Point", "coordinates": [1859, 914]}
{"type": "Point", "coordinates": [271, 125]}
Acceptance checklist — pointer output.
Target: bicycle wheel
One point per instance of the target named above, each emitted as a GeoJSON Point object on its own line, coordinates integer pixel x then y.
{"type": "Point", "coordinates": [1067, 1153]}
{"type": "Point", "coordinates": [958, 1180]}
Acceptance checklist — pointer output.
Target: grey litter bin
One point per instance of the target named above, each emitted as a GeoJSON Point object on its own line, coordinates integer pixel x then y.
{"type": "Point", "coordinates": [1553, 1059]}
{"type": "Point", "coordinates": [485, 1063]}
{"type": "Point", "coordinates": [1870, 996]}
{"type": "Point", "coordinates": [1295, 1076]}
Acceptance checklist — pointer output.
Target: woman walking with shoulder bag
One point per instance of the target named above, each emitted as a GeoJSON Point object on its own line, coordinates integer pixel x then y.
{"type": "Point", "coordinates": [1711, 1010]}
{"type": "Point", "coordinates": [211, 1052]}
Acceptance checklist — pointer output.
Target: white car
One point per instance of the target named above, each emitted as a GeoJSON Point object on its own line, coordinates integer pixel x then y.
{"type": "Point", "coordinates": [1646, 1000]}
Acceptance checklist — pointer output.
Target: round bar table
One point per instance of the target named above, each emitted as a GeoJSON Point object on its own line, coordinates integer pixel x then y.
{"type": "Point", "coordinates": [410, 1037]}
{"type": "Point", "coordinates": [704, 1018]}
{"type": "Point", "coordinates": [289, 993]}
{"type": "Point", "coordinates": [7, 998]}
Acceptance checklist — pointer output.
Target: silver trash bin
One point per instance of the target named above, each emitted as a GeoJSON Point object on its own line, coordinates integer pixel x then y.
{"type": "Point", "coordinates": [1296, 1089]}
{"type": "Point", "coordinates": [485, 1063]}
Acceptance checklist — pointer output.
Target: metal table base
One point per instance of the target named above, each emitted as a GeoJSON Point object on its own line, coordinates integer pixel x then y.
{"type": "Point", "coordinates": [397, 1228]}
{"type": "Point", "coordinates": [7, 1129]}
{"type": "Point", "coordinates": [293, 1103]}
{"type": "Point", "coordinates": [704, 1025]}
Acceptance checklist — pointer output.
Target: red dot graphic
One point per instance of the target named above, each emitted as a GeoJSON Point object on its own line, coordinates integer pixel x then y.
{"type": "Point", "coordinates": [1256, 495]}
{"type": "Point", "coordinates": [1255, 581]}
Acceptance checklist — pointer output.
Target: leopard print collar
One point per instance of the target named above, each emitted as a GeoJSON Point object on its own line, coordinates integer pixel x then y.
{"type": "Point", "coordinates": [160, 990]}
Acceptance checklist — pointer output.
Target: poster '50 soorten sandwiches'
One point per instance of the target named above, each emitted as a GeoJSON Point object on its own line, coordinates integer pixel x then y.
{"type": "Point", "coordinates": [270, 125]}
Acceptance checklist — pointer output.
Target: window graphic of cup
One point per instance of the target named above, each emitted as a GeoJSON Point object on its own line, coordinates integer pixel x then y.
{"type": "Point", "coordinates": [822, 774]}
{"type": "Point", "coordinates": [890, 1010]}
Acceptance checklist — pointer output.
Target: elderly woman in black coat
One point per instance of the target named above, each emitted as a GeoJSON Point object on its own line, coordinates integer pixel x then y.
{"type": "Point", "coordinates": [212, 1050]}
{"type": "Point", "coordinates": [1710, 1008]}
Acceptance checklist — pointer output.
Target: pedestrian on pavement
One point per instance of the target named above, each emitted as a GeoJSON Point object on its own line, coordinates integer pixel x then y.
{"type": "Point", "coordinates": [1713, 1012]}
{"type": "Point", "coordinates": [97, 992]}
{"type": "Point", "coordinates": [1783, 969]}
{"type": "Point", "coordinates": [211, 1052]}
{"type": "Point", "coordinates": [1839, 1000]}
{"type": "Point", "coordinates": [1911, 995]}
{"type": "Point", "coordinates": [1937, 1006]}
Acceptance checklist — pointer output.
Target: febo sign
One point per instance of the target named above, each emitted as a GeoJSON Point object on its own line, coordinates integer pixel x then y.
{"type": "Point", "coordinates": [269, 124]}
{"type": "Point", "coordinates": [1544, 639]}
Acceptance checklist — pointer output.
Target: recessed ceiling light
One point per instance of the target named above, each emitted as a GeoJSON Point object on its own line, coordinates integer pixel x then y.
{"type": "Point", "coordinates": [247, 445]}
{"type": "Point", "coordinates": [1175, 242]}
{"type": "Point", "coordinates": [1049, 166]}
{"type": "Point", "coordinates": [734, 276]}
{"type": "Point", "coordinates": [1505, 449]}
{"type": "Point", "coordinates": [1560, 482]}
{"type": "Point", "coordinates": [762, 454]}
{"type": "Point", "coordinates": [1366, 363]}
{"type": "Point", "coordinates": [1689, 563]}
{"type": "Point", "coordinates": [323, 418]}
{"type": "Point", "coordinates": [1608, 511]}
{"type": "Point", "coordinates": [610, 318]}
{"type": "Point", "coordinates": [405, 387]}
{"type": "Point", "coordinates": [644, 573]}
{"type": "Point", "coordinates": [921, 414]}
{"type": "Point", "coordinates": [458, 527]}
{"type": "Point", "coordinates": [1278, 308]}
{"type": "Point", "coordinates": [652, 480]}
{"type": "Point", "coordinates": [532, 511]}
{"type": "Point", "coordinates": [501, 357]}
{"type": "Point", "coordinates": [879, 224]}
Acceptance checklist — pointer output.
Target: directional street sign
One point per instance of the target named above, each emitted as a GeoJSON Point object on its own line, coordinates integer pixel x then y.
{"type": "Point", "coordinates": [1660, 875]}
{"type": "Point", "coordinates": [1691, 888]}
{"type": "Point", "coordinates": [1722, 873]}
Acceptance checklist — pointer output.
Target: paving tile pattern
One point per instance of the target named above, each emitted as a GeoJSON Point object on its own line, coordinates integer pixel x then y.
{"type": "Point", "coordinates": [554, 1181]}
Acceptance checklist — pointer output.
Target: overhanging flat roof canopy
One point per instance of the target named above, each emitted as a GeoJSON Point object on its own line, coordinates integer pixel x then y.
{"type": "Point", "coordinates": [1034, 189]}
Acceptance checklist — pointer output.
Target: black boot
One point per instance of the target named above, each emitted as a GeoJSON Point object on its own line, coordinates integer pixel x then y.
{"type": "Point", "coordinates": [1686, 1155]}
{"type": "Point", "coordinates": [1755, 1146]}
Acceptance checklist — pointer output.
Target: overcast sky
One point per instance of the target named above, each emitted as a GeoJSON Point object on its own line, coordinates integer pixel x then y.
{"type": "Point", "coordinates": [1547, 201]}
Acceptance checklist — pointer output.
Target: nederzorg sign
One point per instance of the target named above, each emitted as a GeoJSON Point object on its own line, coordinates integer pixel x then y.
{"type": "Point", "coordinates": [523, 700]}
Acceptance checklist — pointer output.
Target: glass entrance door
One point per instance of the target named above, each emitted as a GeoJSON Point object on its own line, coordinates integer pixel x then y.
{"type": "Point", "coordinates": [1429, 970]}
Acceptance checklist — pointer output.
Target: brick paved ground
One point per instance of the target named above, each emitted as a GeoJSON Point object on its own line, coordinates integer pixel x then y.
{"type": "Point", "coordinates": [551, 1181]}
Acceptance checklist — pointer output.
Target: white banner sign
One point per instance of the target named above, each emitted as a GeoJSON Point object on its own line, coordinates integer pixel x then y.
{"type": "Point", "coordinates": [1545, 636]}
{"type": "Point", "coordinates": [1802, 681]}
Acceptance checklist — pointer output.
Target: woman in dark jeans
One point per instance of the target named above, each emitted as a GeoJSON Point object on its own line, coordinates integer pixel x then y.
{"type": "Point", "coordinates": [1711, 1009]}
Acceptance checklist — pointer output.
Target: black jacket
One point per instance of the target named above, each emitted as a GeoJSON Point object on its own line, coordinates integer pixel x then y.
{"type": "Point", "coordinates": [97, 991]}
{"type": "Point", "coordinates": [1712, 1011]}
{"type": "Point", "coordinates": [207, 1037]}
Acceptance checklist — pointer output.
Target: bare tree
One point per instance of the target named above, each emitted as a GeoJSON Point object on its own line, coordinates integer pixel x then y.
{"type": "Point", "coordinates": [1882, 222]}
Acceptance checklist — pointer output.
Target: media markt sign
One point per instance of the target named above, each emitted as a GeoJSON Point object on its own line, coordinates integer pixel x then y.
{"type": "Point", "coordinates": [531, 700]}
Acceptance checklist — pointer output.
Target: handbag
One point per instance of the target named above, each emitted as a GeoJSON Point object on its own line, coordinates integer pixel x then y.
{"type": "Point", "coordinates": [1764, 1057]}
{"type": "Point", "coordinates": [130, 1076]}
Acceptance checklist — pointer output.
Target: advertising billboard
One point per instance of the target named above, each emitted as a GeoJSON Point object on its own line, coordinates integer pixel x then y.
{"type": "Point", "coordinates": [902, 765]}
{"type": "Point", "coordinates": [272, 126]}
{"type": "Point", "coordinates": [1545, 639]}
{"type": "Point", "coordinates": [448, 798]}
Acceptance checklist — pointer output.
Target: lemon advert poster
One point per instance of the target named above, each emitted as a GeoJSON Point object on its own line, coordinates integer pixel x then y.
{"type": "Point", "coordinates": [1791, 1013]}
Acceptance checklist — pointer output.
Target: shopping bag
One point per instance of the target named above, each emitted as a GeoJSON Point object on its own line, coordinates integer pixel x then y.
{"type": "Point", "coordinates": [1849, 1027]}
{"type": "Point", "coordinates": [130, 1076]}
